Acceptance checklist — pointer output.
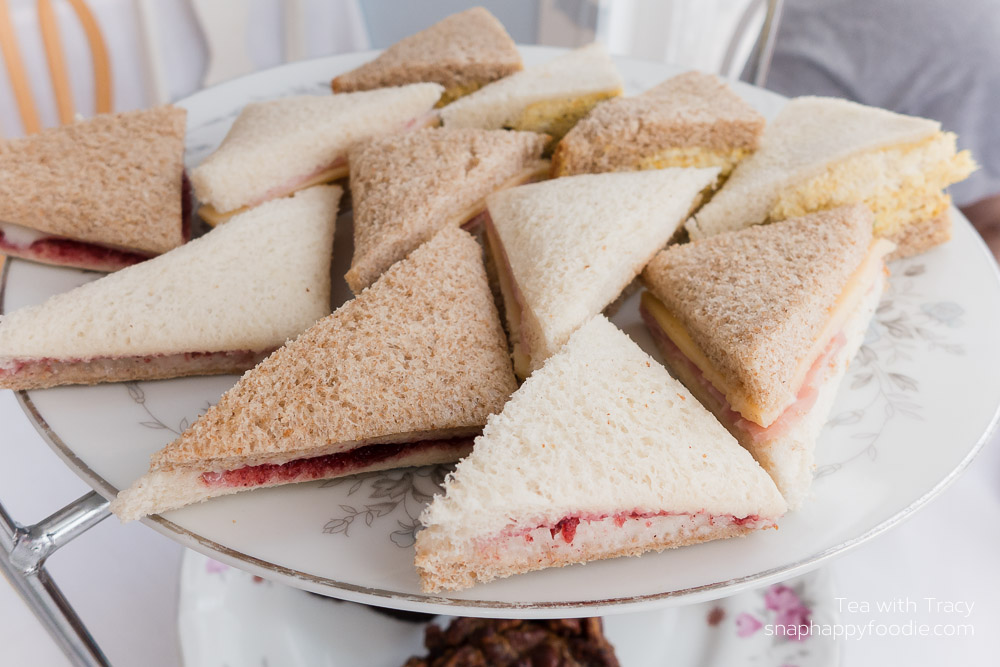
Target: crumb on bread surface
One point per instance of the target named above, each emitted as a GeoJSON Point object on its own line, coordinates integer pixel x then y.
{"type": "Point", "coordinates": [462, 52]}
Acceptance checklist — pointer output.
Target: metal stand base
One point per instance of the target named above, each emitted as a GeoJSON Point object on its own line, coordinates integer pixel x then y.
{"type": "Point", "coordinates": [23, 550]}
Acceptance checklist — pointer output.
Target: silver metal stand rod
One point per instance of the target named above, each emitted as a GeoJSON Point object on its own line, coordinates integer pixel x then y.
{"type": "Point", "coordinates": [23, 550]}
{"type": "Point", "coordinates": [760, 59]}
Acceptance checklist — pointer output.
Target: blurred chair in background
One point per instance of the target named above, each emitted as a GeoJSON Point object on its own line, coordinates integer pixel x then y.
{"type": "Point", "coordinates": [238, 42]}
{"type": "Point", "coordinates": [154, 51]}
{"type": "Point", "coordinates": [19, 81]}
{"type": "Point", "coordinates": [721, 36]}
{"type": "Point", "coordinates": [55, 56]}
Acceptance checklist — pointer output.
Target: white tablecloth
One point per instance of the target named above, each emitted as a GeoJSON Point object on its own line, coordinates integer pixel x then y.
{"type": "Point", "coordinates": [123, 579]}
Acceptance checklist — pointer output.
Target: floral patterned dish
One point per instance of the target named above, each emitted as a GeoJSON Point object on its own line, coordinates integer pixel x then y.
{"type": "Point", "coordinates": [230, 617]}
{"type": "Point", "coordinates": [917, 405]}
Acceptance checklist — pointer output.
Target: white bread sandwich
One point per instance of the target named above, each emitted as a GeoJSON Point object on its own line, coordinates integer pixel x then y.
{"type": "Point", "coordinates": [99, 194]}
{"type": "Point", "coordinates": [565, 249]}
{"type": "Point", "coordinates": [690, 120]}
{"type": "Point", "coordinates": [820, 153]}
{"type": "Point", "coordinates": [218, 304]}
{"type": "Point", "coordinates": [548, 98]}
{"type": "Point", "coordinates": [462, 52]}
{"type": "Point", "coordinates": [761, 325]}
{"type": "Point", "coordinates": [407, 188]}
{"type": "Point", "coordinates": [281, 146]}
{"type": "Point", "coordinates": [599, 454]}
{"type": "Point", "coordinates": [405, 374]}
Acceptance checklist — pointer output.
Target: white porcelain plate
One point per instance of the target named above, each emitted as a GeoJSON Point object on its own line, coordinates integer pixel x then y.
{"type": "Point", "coordinates": [917, 404]}
{"type": "Point", "coordinates": [229, 617]}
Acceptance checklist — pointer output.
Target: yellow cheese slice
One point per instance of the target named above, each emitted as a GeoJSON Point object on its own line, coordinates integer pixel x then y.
{"type": "Point", "coordinates": [856, 288]}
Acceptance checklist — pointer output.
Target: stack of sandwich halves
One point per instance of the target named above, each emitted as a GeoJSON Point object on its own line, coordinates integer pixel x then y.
{"type": "Point", "coordinates": [762, 251]}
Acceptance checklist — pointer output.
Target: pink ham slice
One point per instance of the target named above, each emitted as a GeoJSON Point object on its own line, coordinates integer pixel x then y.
{"type": "Point", "coordinates": [804, 401]}
{"type": "Point", "coordinates": [295, 184]}
{"type": "Point", "coordinates": [732, 419]}
{"type": "Point", "coordinates": [330, 465]}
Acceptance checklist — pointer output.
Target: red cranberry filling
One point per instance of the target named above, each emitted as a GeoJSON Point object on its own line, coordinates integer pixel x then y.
{"type": "Point", "coordinates": [567, 526]}
{"type": "Point", "coordinates": [318, 467]}
{"type": "Point", "coordinates": [68, 251]}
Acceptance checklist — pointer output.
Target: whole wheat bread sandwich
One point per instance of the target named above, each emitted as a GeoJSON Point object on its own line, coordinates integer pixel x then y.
{"type": "Point", "coordinates": [690, 120]}
{"type": "Point", "coordinates": [565, 249]}
{"type": "Point", "coordinates": [462, 52]}
{"type": "Point", "coordinates": [548, 98]}
{"type": "Point", "coordinates": [407, 188]}
{"type": "Point", "coordinates": [218, 304]}
{"type": "Point", "coordinates": [820, 153]}
{"type": "Point", "coordinates": [599, 454]}
{"type": "Point", "coordinates": [761, 325]}
{"type": "Point", "coordinates": [99, 194]}
{"type": "Point", "coordinates": [278, 147]}
{"type": "Point", "coordinates": [405, 374]}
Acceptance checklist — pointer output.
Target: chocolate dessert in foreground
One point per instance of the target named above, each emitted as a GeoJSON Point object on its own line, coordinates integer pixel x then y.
{"type": "Point", "coordinates": [482, 642]}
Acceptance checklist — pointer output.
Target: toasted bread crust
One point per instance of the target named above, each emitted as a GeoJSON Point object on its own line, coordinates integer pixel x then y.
{"type": "Point", "coordinates": [920, 235]}
{"type": "Point", "coordinates": [421, 350]}
{"type": "Point", "coordinates": [692, 110]}
{"type": "Point", "coordinates": [755, 300]}
{"type": "Point", "coordinates": [276, 146]}
{"type": "Point", "coordinates": [406, 189]}
{"type": "Point", "coordinates": [114, 179]}
{"type": "Point", "coordinates": [462, 52]}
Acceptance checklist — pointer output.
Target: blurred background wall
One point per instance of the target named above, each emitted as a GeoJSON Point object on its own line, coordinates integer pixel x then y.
{"type": "Point", "coordinates": [162, 50]}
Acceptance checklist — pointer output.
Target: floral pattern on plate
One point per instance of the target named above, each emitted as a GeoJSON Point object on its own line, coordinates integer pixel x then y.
{"type": "Point", "coordinates": [227, 616]}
